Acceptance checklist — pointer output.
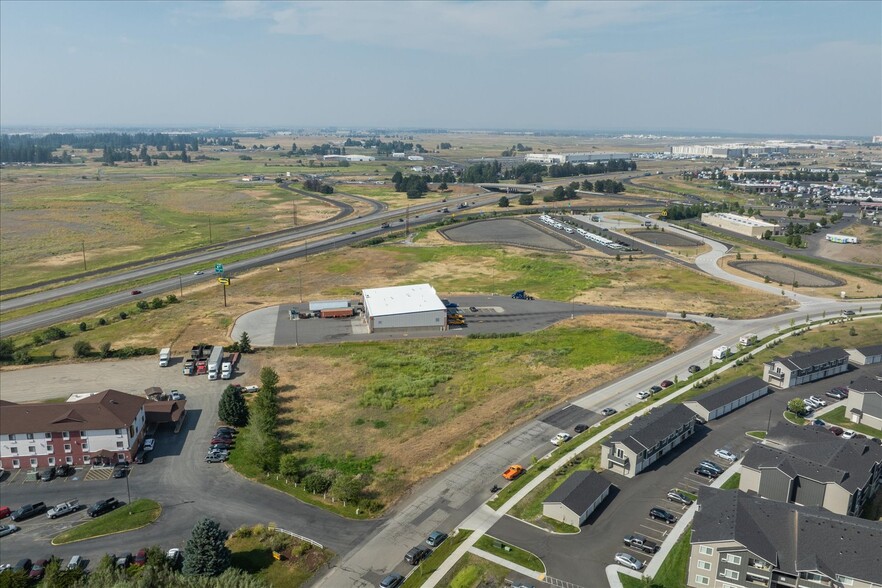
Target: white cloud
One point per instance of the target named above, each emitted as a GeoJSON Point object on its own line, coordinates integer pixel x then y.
{"type": "Point", "coordinates": [460, 27]}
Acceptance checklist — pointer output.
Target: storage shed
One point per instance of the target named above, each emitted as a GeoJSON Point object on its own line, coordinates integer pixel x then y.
{"type": "Point", "coordinates": [574, 500]}
{"type": "Point", "coordinates": [723, 400]}
{"type": "Point", "coordinates": [404, 308]}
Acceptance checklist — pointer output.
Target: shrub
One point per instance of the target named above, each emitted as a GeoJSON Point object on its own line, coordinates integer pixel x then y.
{"type": "Point", "coordinates": [123, 315]}
{"type": "Point", "coordinates": [22, 357]}
{"type": "Point", "coordinates": [102, 321]}
{"type": "Point", "coordinates": [104, 350]}
{"type": "Point", "coordinates": [82, 349]}
{"type": "Point", "coordinates": [82, 326]}
{"type": "Point", "coordinates": [7, 348]}
{"type": "Point", "coordinates": [317, 483]}
{"type": "Point", "coordinates": [142, 305]}
{"type": "Point", "coordinates": [157, 303]}
{"type": "Point", "coordinates": [171, 299]}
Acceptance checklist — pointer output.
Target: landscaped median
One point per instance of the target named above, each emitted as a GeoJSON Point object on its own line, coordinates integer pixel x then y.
{"type": "Point", "coordinates": [434, 561]}
{"type": "Point", "coordinates": [127, 517]}
{"type": "Point", "coordinates": [513, 554]}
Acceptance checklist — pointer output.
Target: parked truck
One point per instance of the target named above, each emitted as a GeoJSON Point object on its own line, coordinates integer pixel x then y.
{"type": "Point", "coordinates": [164, 356]}
{"type": "Point", "coordinates": [214, 362]}
{"type": "Point", "coordinates": [521, 295]}
{"type": "Point", "coordinates": [59, 510]}
{"type": "Point", "coordinates": [189, 367]}
{"type": "Point", "coordinates": [227, 366]}
{"type": "Point", "coordinates": [721, 352]}
{"type": "Point", "coordinates": [748, 339]}
{"type": "Point", "coordinates": [198, 352]}
{"type": "Point", "coordinates": [641, 543]}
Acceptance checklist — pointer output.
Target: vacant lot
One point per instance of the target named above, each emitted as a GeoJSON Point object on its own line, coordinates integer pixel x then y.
{"type": "Point", "coordinates": [421, 405]}
{"type": "Point", "coordinates": [670, 187]}
{"type": "Point", "coordinates": [784, 273]}
{"type": "Point", "coordinates": [386, 193]}
{"type": "Point", "coordinates": [511, 231]}
{"type": "Point", "coordinates": [869, 250]}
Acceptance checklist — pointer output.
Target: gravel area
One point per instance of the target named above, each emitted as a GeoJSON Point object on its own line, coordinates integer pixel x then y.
{"type": "Point", "coordinates": [509, 231]}
{"type": "Point", "coordinates": [665, 239]}
{"type": "Point", "coordinates": [786, 274]}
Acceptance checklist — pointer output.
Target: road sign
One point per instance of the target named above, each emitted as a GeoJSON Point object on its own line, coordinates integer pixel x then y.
{"type": "Point", "coordinates": [224, 281]}
{"type": "Point", "coordinates": [218, 268]}
{"type": "Point", "coordinates": [665, 212]}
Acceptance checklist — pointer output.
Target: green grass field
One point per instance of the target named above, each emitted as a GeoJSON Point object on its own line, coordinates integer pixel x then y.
{"type": "Point", "coordinates": [125, 518]}
{"type": "Point", "coordinates": [510, 552]}
{"type": "Point", "coordinates": [837, 417]}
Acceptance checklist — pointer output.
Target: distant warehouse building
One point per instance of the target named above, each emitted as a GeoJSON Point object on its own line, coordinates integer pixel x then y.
{"type": "Point", "coordinates": [736, 223]}
{"type": "Point", "coordinates": [404, 308]}
{"type": "Point", "coordinates": [723, 400]}
{"type": "Point", "coordinates": [561, 158]}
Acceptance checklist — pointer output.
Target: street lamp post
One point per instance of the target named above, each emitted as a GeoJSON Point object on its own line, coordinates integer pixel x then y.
{"type": "Point", "coordinates": [128, 493]}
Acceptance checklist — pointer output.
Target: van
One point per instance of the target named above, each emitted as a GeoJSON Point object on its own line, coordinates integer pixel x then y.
{"type": "Point", "coordinates": [75, 562]}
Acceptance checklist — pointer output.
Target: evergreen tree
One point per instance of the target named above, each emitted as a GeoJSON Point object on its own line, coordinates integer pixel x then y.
{"type": "Point", "coordinates": [232, 408]}
{"type": "Point", "coordinates": [503, 202]}
{"type": "Point", "coordinates": [245, 343]}
{"type": "Point", "coordinates": [184, 157]}
{"type": "Point", "coordinates": [525, 199]}
{"type": "Point", "coordinates": [206, 553]}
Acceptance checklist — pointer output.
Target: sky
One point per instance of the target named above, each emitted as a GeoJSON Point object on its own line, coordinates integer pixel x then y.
{"type": "Point", "coordinates": [803, 68]}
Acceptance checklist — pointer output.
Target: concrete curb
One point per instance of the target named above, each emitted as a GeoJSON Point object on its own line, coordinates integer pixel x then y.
{"type": "Point", "coordinates": [106, 534]}
{"type": "Point", "coordinates": [508, 564]}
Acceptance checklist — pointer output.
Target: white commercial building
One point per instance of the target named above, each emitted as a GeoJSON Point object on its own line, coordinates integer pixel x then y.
{"type": "Point", "coordinates": [349, 157]}
{"type": "Point", "coordinates": [736, 223]}
{"type": "Point", "coordinates": [728, 151]}
{"type": "Point", "coordinates": [559, 158]}
{"type": "Point", "coordinates": [404, 308]}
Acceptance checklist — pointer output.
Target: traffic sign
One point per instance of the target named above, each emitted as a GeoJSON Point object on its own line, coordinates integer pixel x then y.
{"type": "Point", "coordinates": [218, 268]}
{"type": "Point", "coordinates": [224, 281]}
{"type": "Point", "coordinates": [664, 212]}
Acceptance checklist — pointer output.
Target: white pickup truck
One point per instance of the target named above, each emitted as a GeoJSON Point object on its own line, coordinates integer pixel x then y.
{"type": "Point", "coordinates": [64, 508]}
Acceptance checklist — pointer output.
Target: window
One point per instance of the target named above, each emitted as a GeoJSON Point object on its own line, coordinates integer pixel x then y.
{"type": "Point", "coordinates": [703, 580]}
{"type": "Point", "coordinates": [731, 574]}
{"type": "Point", "coordinates": [86, 459]}
{"type": "Point", "coordinates": [120, 457]}
{"type": "Point", "coordinates": [32, 449]}
{"type": "Point", "coordinates": [10, 437]}
{"type": "Point", "coordinates": [733, 559]}
{"type": "Point", "coordinates": [50, 448]}
{"type": "Point", "coordinates": [68, 460]}
{"type": "Point", "coordinates": [83, 434]}
{"type": "Point", "coordinates": [29, 436]}
{"type": "Point", "coordinates": [845, 580]}
{"type": "Point", "coordinates": [51, 461]}
{"type": "Point", "coordinates": [15, 464]}
{"type": "Point", "coordinates": [48, 435]}
{"type": "Point", "coordinates": [703, 565]}
{"type": "Point", "coordinates": [119, 444]}
{"type": "Point", "coordinates": [85, 446]}
{"type": "Point", "coordinates": [13, 450]}
{"type": "Point", "coordinates": [65, 435]}
{"type": "Point", "coordinates": [812, 576]}
{"type": "Point", "coordinates": [33, 462]}
{"type": "Point", "coordinates": [67, 447]}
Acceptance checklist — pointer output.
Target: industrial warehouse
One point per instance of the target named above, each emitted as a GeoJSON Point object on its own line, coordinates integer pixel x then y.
{"type": "Point", "coordinates": [736, 223]}
{"type": "Point", "coordinates": [404, 308]}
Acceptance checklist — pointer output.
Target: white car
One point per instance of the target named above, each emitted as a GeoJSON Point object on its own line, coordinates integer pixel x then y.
{"type": "Point", "coordinates": [643, 395]}
{"type": "Point", "coordinates": [149, 444]}
{"type": "Point", "coordinates": [175, 395]}
{"type": "Point", "coordinates": [727, 455]}
{"type": "Point", "coordinates": [199, 273]}
{"type": "Point", "coordinates": [560, 438]}
{"type": "Point", "coordinates": [629, 561]}
{"type": "Point", "coordinates": [848, 434]}
{"type": "Point", "coordinates": [818, 401]}
{"type": "Point", "coordinates": [811, 403]}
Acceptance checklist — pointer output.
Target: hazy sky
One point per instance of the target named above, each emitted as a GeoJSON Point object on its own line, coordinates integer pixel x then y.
{"type": "Point", "coordinates": [766, 67]}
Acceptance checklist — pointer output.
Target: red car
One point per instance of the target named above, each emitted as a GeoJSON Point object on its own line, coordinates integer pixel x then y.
{"type": "Point", "coordinates": [5, 511]}
{"type": "Point", "coordinates": [140, 557]}
{"type": "Point", "coordinates": [135, 292]}
{"type": "Point", "coordinates": [836, 431]}
{"type": "Point", "coordinates": [666, 383]}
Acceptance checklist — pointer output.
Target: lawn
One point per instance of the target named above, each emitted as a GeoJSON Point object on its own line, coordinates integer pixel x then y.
{"type": "Point", "coordinates": [837, 417]}
{"type": "Point", "coordinates": [128, 517]}
{"type": "Point", "coordinates": [252, 552]}
{"type": "Point", "coordinates": [472, 571]}
{"type": "Point", "coordinates": [732, 483]}
{"type": "Point", "coordinates": [510, 552]}
{"type": "Point", "coordinates": [434, 561]}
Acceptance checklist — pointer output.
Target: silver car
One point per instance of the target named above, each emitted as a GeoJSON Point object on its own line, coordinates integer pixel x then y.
{"type": "Point", "coordinates": [629, 561]}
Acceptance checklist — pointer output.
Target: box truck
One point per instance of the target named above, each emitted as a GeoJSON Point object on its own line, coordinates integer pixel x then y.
{"type": "Point", "coordinates": [164, 356]}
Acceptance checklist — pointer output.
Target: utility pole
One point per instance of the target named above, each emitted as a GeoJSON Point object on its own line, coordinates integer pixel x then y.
{"type": "Point", "coordinates": [294, 208]}
{"type": "Point", "coordinates": [300, 279]}
{"type": "Point", "coordinates": [209, 229]}
{"type": "Point", "coordinates": [306, 249]}
{"type": "Point", "coordinates": [225, 295]}
{"type": "Point", "coordinates": [181, 284]}
{"type": "Point", "coordinates": [84, 255]}
{"type": "Point", "coordinates": [407, 222]}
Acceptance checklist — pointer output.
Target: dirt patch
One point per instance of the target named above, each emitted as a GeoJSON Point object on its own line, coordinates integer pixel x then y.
{"type": "Point", "coordinates": [783, 273]}
{"type": "Point", "coordinates": [509, 231]}
{"type": "Point", "coordinates": [868, 250]}
{"type": "Point", "coordinates": [665, 239]}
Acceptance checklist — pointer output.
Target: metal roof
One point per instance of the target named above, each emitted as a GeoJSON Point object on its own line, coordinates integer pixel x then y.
{"type": "Point", "coordinates": [653, 427]}
{"type": "Point", "coordinates": [579, 491]}
{"type": "Point", "coordinates": [109, 409]}
{"type": "Point", "coordinates": [401, 300]}
{"type": "Point", "coordinates": [793, 538]}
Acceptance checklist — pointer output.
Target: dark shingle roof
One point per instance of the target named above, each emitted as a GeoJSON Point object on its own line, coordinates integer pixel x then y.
{"type": "Point", "coordinates": [870, 350]}
{"type": "Point", "coordinates": [866, 384]}
{"type": "Point", "coordinates": [579, 491]}
{"type": "Point", "coordinates": [653, 427]}
{"type": "Point", "coordinates": [801, 361]}
{"type": "Point", "coordinates": [794, 538]}
{"type": "Point", "coordinates": [814, 451]}
{"type": "Point", "coordinates": [725, 394]}
{"type": "Point", "coordinates": [109, 409]}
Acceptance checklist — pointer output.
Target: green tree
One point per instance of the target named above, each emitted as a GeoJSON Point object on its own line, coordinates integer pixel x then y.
{"type": "Point", "coordinates": [801, 214]}
{"type": "Point", "coordinates": [347, 487]}
{"type": "Point", "coordinates": [796, 406]}
{"type": "Point", "coordinates": [104, 350]}
{"type": "Point", "coordinates": [123, 315]}
{"type": "Point", "coordinates": [317, 483]}
{"type": "Point", "coordinates": [83, 326]}
{"type": "Point", "coordinates": [206, 552]}
{"type": "Point", "coordinates": [442, 186]}
{"type": "Point", "coordinates": [82, 349]}
{"type": "Point", "coordinates": [503, 202]}
{"type": "Point", "coordinates": [171, 299]}
{"type": "Point", "coordinates": [525, 199]}
{"type": "Point", "coordinates": [245, 343]}
{"type": "Point", "coordinates": [834, 177]}
{"type": "Point", "coordinates": [22, 357]}
{"type": "Point", "coordinates": [269, 379]}
{"type": "Point", "coordinates": [157, 303]}
{"type": "Point", "coordinates": [7, 348]}
{"type": "Point", "coordinates": [290, 466]}
{"type": "Point", "coordinates": [184, 157]}
{"type": "Point", "coordinates": [232, 408]}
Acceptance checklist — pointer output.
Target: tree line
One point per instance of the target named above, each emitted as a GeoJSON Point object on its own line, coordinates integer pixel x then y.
{"type": "Point", "coordinates": [415, 185]}
{"type": "Point", "coordinates": [316, 185]}
{"type": "Point", "coordinates": [31, 149]}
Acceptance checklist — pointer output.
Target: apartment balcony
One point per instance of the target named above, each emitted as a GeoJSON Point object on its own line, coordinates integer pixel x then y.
{"type": "Point", "coordinates": [620, 461]}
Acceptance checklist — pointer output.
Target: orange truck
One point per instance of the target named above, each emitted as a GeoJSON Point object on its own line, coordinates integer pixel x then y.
{"type": "Point", "coordinates": [513, 472]}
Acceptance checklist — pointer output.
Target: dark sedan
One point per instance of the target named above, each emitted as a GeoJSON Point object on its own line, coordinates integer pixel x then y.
{"type": "Point", "coordinates": [662, 515]}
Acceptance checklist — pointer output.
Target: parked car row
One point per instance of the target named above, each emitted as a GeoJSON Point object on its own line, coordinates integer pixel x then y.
{"type": "Point", "coordinates": [221, 443]}
{"type": "Point", "coordinates": [414, 556]}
